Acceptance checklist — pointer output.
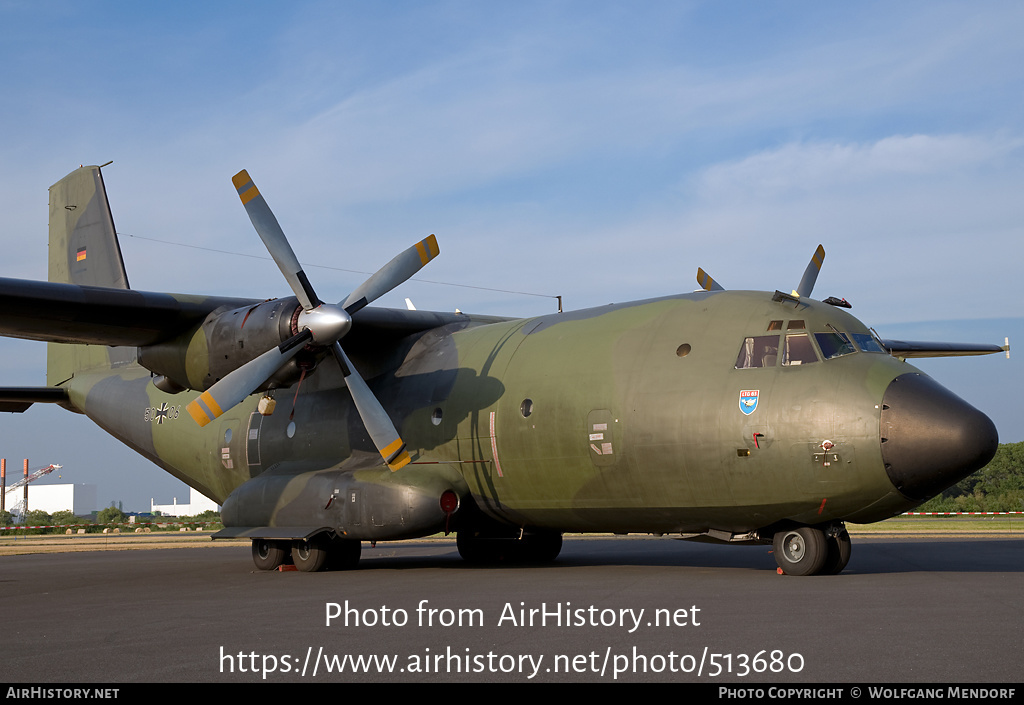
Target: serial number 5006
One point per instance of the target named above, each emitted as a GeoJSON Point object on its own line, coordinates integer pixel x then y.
{"type": "Point", "coordinates": [745, 664]}
{"type": "Point", "coordinates": [162, 413]}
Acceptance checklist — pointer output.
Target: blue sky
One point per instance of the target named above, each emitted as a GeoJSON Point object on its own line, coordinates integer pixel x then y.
{"type": "Point", "coordinates": [599, 151]}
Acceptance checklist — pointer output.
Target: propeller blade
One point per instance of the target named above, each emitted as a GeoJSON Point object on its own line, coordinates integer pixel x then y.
{"type": "Point", "coordinates": [810, 274]}
{"type": "Point", "coordinates": [242, 382]}
{"type": "Point", "coordinates": [377, 422]}
{"type": "Point", "coordinates": [273, 237]}
{"type": "Point", "coordinates": [706, 283]}
{"type": "Point", "coordinates": [392, 274]}
{"type": "Point", "coordinates": [323, 323]}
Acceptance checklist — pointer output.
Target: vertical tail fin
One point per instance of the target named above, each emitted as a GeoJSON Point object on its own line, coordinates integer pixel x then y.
{"type": "Point", "coordinates": [83, 250]}
{"type": "Point", "coordinates": [83, 244]}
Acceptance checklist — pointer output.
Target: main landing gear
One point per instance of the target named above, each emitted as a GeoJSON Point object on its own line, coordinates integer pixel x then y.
{"type": "Point", "coordinates": [320, 552]}
{"type": "Point", "coordinates": [810, 550]}
{"type": "Point", "coordinates": [533, 548]}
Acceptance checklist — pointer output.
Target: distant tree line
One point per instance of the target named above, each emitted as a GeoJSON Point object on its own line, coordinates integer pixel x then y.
{"type": "Point", "coordinates": [997, 487]}
{"type": "Point", "coordinates": [108, 517]}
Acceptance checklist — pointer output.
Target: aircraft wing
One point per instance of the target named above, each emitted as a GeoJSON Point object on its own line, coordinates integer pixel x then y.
{"type": "Point", "coordinates": [69, 313]}
{"type": "Point", "coordinates": [916, 348]}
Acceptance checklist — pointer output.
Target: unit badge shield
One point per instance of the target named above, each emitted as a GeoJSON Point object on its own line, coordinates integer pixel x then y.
{"type": "Point", "coordinates": [748, 401]}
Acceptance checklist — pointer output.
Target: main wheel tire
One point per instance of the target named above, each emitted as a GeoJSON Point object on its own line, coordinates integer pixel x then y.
{"type": "Point", "coordinates": [839, 549]}
{"type": "Point", "coordinates": [541, 548]}
{"type": "Point", "coordinates": [310, 555]}
{"type": "Point", "coordinates": [344, 554]}
{"type": "Point", "coordinates": [800, 551]}
{"type": "Point", "coordinates": [267, 554]}
{"type": "Point", "coordinates": [471, 547]}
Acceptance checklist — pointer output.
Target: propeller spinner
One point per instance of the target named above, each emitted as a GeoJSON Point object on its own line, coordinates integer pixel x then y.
{"type": "Point", "coordinates": [320, 323]}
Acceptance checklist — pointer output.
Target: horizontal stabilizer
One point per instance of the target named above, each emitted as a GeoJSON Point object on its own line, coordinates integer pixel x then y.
{"type": "Point", "coordinates": [17, 399]}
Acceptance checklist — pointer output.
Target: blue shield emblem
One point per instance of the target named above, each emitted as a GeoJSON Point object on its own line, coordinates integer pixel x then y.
{"type": "Point", "coordinates": [748, 401]}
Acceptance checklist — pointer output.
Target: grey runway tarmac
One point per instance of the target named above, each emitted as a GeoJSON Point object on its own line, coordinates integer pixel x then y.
{"type": "Point", "coordinates": [624, 609]}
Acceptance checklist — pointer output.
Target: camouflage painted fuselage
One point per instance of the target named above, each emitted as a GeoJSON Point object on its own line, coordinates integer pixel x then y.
{"type": "Point", "coordinates": [586, 421]}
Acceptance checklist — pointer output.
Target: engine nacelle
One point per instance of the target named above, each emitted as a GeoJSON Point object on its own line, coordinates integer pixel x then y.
{"type": "Point", "coordinates": [225, 341]}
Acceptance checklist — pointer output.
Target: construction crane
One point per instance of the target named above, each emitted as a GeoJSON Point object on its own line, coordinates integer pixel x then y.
{"type": "Point", "coordinates": [18, 510]}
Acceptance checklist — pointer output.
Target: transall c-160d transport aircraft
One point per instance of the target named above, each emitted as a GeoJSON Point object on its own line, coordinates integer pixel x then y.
{"type": "Point", "coordinates": [731, 416]}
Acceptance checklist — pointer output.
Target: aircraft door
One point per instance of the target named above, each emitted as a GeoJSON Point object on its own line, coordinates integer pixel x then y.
{"type": "Point", "coordinates": [252, 443]}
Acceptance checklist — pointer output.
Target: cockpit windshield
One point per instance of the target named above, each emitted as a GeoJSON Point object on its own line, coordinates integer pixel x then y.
{"type": "Point", "coordinates": [834, 344]}
{"type": "Point", "coordinates": [797, 347]}
{"type": "Point", "coordinates": [758, 351]}
{"type": "Point", "coordinates": [867, 343]}
{"type": "Point", "coordinates": [799, 350]}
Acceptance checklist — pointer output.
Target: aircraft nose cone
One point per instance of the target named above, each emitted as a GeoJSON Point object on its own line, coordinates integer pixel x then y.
{"type": "Point", "coordinates": [931, 438]}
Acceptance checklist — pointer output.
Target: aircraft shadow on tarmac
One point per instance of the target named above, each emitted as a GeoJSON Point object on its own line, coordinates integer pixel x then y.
{"type": "Point", "coordinates": [870, 556]}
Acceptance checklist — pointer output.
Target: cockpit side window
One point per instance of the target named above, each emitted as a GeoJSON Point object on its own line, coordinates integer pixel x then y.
{"type": "Point", "coordinates": [758, 351]}
{"type": "Point", "coordinates": [798, 350]}
{"type": "Point", "coordinates": [834, 344]}
{"type": "Point", "coordinates": [867, 343]}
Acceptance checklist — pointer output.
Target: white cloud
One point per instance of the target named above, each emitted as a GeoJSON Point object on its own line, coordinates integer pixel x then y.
{"type": "Point", "coordinates": [916, 227]}
{"type": "Point", "coordinates": [800, 168]}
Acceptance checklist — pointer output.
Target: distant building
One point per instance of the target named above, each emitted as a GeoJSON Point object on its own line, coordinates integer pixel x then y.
{"type": "Point", "coordinates": [197, 504]}
{"type": "Point", "coordinates": [80, 498]}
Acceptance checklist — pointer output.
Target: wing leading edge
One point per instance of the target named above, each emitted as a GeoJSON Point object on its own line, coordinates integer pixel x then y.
{"type": "Point", "coordinates": [69, 313]}
{"type": "Point", "coordinates": [917, 348]}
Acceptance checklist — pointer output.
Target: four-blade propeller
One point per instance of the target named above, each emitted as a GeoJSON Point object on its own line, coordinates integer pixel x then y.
{"type": "Point", "coordinates": [319, 323]}
{"type": "Point", "coordinates": [803, 289]}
